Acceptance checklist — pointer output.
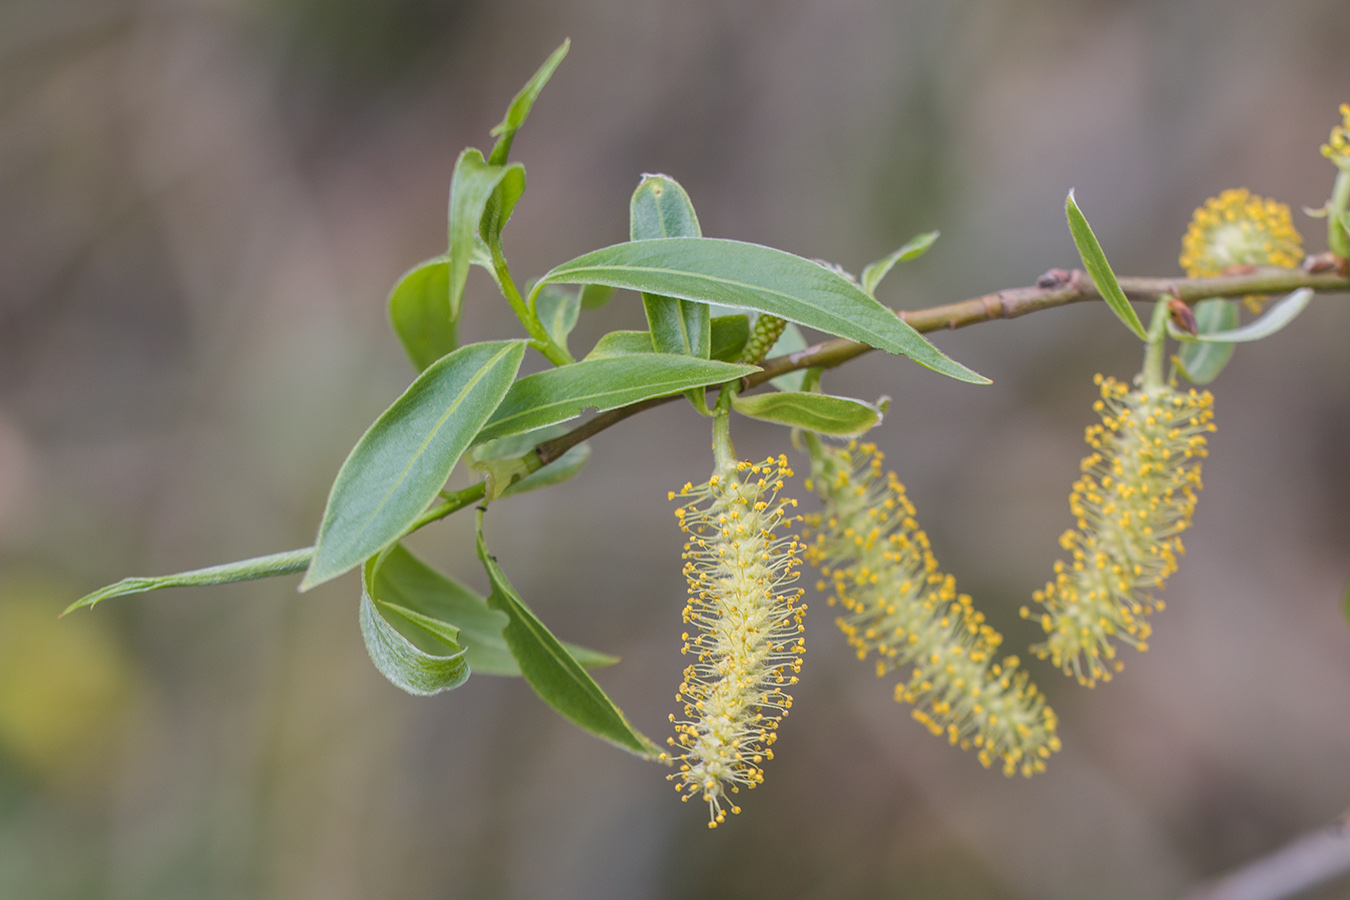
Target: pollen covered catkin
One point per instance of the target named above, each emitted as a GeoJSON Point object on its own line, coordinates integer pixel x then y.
{"type": "Point", "coordinates": [1239, 228]}
{"type": "Point", "coordinates": [746, 635]}
{"type": "Point", "coordinates": [1135, 497]}
{"type": "Point", "coordinates": [897, 605]}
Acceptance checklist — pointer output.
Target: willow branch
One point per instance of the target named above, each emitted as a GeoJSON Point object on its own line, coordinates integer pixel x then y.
{"type": "Point", "coordinates": [1058, 287]}
{"type": "Point", "coordinates": [1304, 863]}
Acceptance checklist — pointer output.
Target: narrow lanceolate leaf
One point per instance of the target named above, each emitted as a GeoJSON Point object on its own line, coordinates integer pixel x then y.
{"type": "Point", "coordinates": [417, 653]}
{"type": "Point", "coordinates": [660, 208]}
{"type": "Point", "coordinates": [397, 467]}
{"type": "Point", "coordinates": [914, 248]}
{"type": "Point", "coordinates": [1201, 363]}
{"type": "Point", "coordinates": [601, 383]}
{"type": "Point", "coordinates": [557, 309]}
{"type": "Point", "coordinates": [269, 566]}
{"type": "Point", "coordinates": [505, 131]}
{"type": "Point", "coordinates": [821, 413]}
{"type": "Point", "coordinates": [594, 296]}
{"type": "Point", "coordinates": [471, 187]}
{"type": "Point", "coordinates": [749, 276]}
{"type": "Point", "coordinates": [405, 583]}
{"type": "Point", "coordinates": [729, 334]}
{"type": "Point", "coordinates": [1094, 260]}
{"type": "Point", "coordinates": [419, 311]}
{"type": "Point", "coordinates": [552, 671]}
{"type": "Point", "coordinates": [1279, 315]}
{"type": "Point", "coordinates": [622, 343]}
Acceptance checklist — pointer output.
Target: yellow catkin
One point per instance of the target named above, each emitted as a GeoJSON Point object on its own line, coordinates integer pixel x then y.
{"type": "Point", "coordinates": [1337, 147]}
{"type": "Point", "coordinates": [747, 631]}
{"type": "Point", "coordinates": [1136, 496]}
{"type": "Point", "coordinates": [898, 606]}
{"type": "Point", "coordinates": [1239, 228]}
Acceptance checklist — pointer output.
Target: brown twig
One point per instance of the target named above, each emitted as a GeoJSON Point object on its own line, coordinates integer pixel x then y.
{"type": "Point", "coordinates": [1058, 287]}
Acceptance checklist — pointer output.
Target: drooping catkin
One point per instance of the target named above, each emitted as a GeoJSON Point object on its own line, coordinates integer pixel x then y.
{"type": "Point", "coordinates": [879, 565]}
{"type": "Point", "coordinates": [747, 631]}
{"type": "Point", "coordinates": [1136, 496]}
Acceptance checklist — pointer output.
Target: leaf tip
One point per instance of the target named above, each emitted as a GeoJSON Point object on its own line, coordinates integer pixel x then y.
{"type": "Point", "coordinates": [83, 601]}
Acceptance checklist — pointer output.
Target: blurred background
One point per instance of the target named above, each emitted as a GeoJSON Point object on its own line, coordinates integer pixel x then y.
{"type": "Point", "coordinates": [203, 204]}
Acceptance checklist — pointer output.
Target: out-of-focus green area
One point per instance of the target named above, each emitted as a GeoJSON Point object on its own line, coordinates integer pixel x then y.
{"type": "Point", "coordinates": [202, 208]}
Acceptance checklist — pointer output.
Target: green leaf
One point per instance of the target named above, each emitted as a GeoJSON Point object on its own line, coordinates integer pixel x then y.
{"type": "Point", "coordinates": [622, 343]}
{"type": "Point", "coordinates": [729, 334]}
{"type": "Point", "coordinates": [594, 296]}
{"type": "Point", "coordinates": [820, 413]}
{"type": "Point", "coordinates": [421, 670]}
{"type": "Point", "coordinates": [1094, 260]}
{"type": "Point", "coordinates": [1346, 607]}
{"type": "Point", "coordinates": [556, 472]}
{"type": "Point", "coordinates": [660, 208]}
{"type": "Point", "coordinates": [508, 477]}
{"type": "Point", "coordinates": [285, 563]}
{"type": "Point", "coordinates": [1201, 363]}
{"type": "Point", "coordinates": [790, 341]}
{"type": "Point", "coordinates": [748, 276]}
{"type": "Point", "coordinates": [1279, 315]}
{"type": "Point", "coordinates": [516, 444]}
{"type": "Point", "coordinates": [400, 464]}
{"type": "Point", "coordinates": [501, 204]}
{"type": "Point", "coordinates": [471, 187]}
{"type": "Point", "coordinates": [505, 131]}
{"type": "Point", "coordinates": [555, 674]}
{"type": "Point", "coordinates": [498, 459]}
{"type": "Point", "coordinates": [419, 311]}
{"type": "Point", "coordinates": [914, 248]}
{"type": "Point", "coordinates": [556, 395]}
{"type": "Point", "coordinates": [403, 580]}
{"type": "Point", "coordinates": [557, 309]}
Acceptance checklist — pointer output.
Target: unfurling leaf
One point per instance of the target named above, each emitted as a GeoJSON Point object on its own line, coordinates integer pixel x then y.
{"type": "Point", "coordinates": [472, 187]}
{"type": "Point", "coordinates": [416, 652]}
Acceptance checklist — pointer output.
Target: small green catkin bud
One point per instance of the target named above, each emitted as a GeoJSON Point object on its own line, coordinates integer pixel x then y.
{"type": "Point", "coordinates": [768, 329]}
{"type": "Point", "coordinates": [1136, 496]}
{"type": "Point", "coordinates": [898, 606]}
{"type": "Point", "coordinates": [748, 631]}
